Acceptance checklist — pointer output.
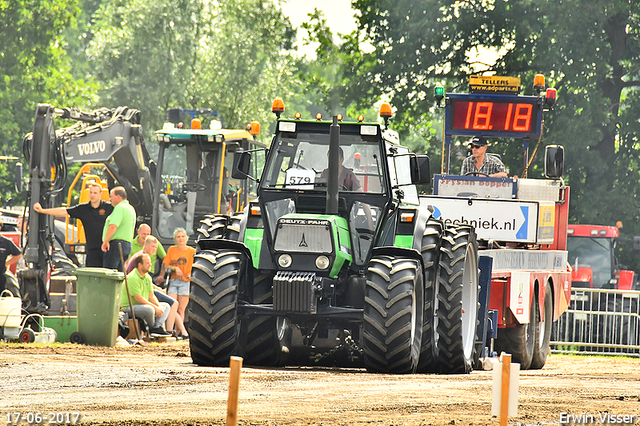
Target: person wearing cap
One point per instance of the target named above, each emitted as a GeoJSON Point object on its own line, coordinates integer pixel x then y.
{"type": "Point", "coordinates": [481, 162]}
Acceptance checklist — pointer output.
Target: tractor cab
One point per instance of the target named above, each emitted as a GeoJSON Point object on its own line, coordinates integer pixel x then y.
{"type": "Point", "coordinates": [370, 170]}
{"type": "Point", "coordinates": [193, 177]}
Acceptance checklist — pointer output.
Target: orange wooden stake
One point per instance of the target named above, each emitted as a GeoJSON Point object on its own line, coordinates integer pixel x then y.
{"type": "Point", "coordinates": [235, 365]}
{"type": "Point", "coordinates": [504, 402]}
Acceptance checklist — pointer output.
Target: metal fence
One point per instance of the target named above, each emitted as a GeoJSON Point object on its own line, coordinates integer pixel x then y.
{"type": "Point", "coordinates": [599, 321]}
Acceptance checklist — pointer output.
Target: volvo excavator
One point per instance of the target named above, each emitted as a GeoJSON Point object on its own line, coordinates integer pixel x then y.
{"type": "Point", "coordinates": [188, 181]}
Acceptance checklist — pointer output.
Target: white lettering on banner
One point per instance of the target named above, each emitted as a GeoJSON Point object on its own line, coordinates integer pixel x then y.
{"type": "Point", "coordinates": [476, 187]}
{"type": "Point", "coordinates": [493, 219]}
{"type": "Point", "coordinates": [91, 147]}
{"type": "Point", "coordinates": [492, 184]}
{"type": "Point", "coordinates": [527, 260]}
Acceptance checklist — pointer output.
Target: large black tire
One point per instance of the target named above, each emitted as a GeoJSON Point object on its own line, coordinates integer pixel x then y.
{"type": "Point", "coordinates": [266, 335]}
{"type": "Point", "coordinates": [392, 326]}
{"type": "Point", "coordinates": [543, 332]}
{"type": "Point", "coordinates": [431, 240]}
{"type": "Point", "coordinates": [214, 327]}
{"type": "Point", "coordinates": [458, 300]}
{"type": "Point", "coordinates": [233, 229]}
{"type": "Point", "coordinates": [520, 341]}
{"type": "Point", "coordinates": [212, 227]}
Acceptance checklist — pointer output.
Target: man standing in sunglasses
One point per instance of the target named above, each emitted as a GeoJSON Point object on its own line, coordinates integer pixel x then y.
{"type": "Point", "coordinates": [479, 162]}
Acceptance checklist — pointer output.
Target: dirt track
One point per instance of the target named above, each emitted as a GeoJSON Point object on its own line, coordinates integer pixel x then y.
{"type": "Point", "coordinates": [160, 385]}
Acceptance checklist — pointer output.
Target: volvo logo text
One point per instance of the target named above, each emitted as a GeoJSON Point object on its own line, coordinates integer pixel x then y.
{"type": "Point", "coordinates": [92, 147]}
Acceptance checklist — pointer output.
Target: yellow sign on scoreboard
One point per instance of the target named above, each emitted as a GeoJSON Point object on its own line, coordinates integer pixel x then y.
{"type": "Point", "coordinates": [494, 84]}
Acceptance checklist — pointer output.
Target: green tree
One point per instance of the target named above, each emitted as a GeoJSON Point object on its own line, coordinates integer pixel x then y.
{"type": "Point", "coordinates": [34, 68]}
{"type": "Point", "coordinates": [159, 54]}
{"type": "Point", "coordinates": [588, 50]}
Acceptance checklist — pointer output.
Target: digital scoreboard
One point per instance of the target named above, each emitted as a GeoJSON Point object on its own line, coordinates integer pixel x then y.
{"type": "Point", "coordinates": [498, 116]}
{"type": "Point", "coordinates": [493, 115]}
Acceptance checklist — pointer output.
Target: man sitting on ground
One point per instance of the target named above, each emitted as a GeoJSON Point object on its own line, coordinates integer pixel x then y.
{"type": "Point", "coordinates": [145, 304]}
{"type": "Point", "coordinates": [150, 247]}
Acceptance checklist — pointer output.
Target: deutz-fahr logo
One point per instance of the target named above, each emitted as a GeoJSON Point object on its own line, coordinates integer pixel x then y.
{"type": "Point", "coordinates": [317, 222]}
{"type": "Point", "coordinates": [92, 147]}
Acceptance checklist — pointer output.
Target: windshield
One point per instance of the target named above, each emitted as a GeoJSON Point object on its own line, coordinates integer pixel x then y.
{"type": "Point", "coordinates": [194, 183]}
{"type": "Point", "coordinates": [594, 253]}
{"type": "Point", "coordinates": [301, 162]}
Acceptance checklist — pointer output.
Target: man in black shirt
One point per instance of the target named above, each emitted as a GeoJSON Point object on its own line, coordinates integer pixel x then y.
{"type": "Point", "coordinates": [9, 254]}
{"type": "Point", "coordinates": [93, 215]}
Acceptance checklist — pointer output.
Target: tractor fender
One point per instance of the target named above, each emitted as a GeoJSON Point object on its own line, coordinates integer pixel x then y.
{"type": "Point", "coordinates": [422, 217]}
{"type": "Point", "coordinates": [398, 252]}
{"type": "Point", "coordinates": [221, 244]}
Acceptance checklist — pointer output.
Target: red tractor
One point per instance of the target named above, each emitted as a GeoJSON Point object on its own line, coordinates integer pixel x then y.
{"type": "Point", "coordinates": [592, 253]}
{"type": "Point", "coordinates": [603, 313]}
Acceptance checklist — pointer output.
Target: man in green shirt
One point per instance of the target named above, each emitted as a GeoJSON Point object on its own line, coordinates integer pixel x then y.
{"type": "Point", "coordinates": [118, 230]}
{"type": "Point", "coordinates": [137, 245]}
{"type": "Point", "coordinates": [145, 304]}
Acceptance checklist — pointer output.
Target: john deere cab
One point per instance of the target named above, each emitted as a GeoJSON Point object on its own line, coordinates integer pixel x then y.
{"type": "Point", "coordinates": [336, 262]}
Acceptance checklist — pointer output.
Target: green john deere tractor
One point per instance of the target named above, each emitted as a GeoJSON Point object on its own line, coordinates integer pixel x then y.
{"type": "Point", "coordinates": [336, 263]}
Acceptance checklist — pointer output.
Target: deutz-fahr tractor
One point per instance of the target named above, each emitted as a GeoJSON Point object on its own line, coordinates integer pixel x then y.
{"type": "Point", "coordinates": [336, 263]}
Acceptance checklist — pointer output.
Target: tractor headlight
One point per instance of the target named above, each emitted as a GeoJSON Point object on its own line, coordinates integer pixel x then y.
{"type": "Point", "coordinates": [284, 261]}
{"type": "Point", "coordinates": [322, 262]}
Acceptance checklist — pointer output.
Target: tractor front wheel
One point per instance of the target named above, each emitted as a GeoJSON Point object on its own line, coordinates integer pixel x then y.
{"type": "Point", "coordinates": [214, 327]}
{"type": "Point", "coordinates": [267, 336]}
{"type": "Point", "coordinates": [393, 307]}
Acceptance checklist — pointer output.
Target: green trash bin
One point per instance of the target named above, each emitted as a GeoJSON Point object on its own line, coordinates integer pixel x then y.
{"type": "Point", "coordinates": [98, 303]}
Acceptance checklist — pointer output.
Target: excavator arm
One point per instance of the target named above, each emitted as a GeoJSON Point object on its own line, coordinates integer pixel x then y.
{"type": "Point", "coordinates": [109, 136]}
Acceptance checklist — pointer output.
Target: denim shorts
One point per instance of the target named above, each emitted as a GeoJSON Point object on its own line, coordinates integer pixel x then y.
{"type": "Point", "coordinates": [179, 287]}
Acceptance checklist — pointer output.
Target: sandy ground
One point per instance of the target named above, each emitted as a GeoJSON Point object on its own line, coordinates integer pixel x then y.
{"type": "Point", "coordinates": [159, 385]}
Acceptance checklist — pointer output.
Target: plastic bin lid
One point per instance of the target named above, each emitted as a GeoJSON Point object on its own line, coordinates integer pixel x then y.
{"type": "Point", "coordinates": [99, 272]}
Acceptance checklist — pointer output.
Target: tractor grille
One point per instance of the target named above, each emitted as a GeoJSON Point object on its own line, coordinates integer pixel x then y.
{"type": "Point", "coordinates": [293, 292]}
{"type": "Point", "coordinates": [303, 235]}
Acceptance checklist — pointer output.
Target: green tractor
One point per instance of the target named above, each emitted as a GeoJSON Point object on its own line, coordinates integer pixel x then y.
{"type": "Point", "coordinates": [336, 263]}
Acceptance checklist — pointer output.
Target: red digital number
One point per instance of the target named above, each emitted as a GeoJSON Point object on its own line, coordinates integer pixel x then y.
{"type": "Point", "coordinates": [482, 118]}
{"type": "Point", "coordinates": [507, 121]}
{"type": "Point", "coordinates": [522, 119]}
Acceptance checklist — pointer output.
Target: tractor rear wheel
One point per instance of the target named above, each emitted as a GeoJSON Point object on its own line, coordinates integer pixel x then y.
{"type": "Point", "coordinates": [212, 227]}
{"type": "Point", "coordinates": [214, 327]}
{"type": "Point", "coordinates": [458, 296]}
{"type": "Point", "coordinates": [233, 229]}
{"type": "Point", "coordinates": [543, 332]}
{"type": "Point", "coordinates": [431, 239]}
{"type": "Point", "coordinates": [393, 307]}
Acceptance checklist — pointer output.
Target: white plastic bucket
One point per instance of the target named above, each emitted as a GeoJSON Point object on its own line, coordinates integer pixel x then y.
{"type": "Point", "coordinates": [10, 310]}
